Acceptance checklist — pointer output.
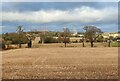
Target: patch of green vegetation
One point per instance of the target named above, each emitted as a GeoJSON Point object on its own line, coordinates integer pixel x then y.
{"type": "Point", "coordinates": [50, 40]}
{"type": "Point", "coordinates": [14, 38]}
{"type": "Point", "coordinates": [115, 44]}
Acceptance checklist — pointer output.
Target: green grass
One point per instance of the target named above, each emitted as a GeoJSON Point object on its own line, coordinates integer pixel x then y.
{"type": "Point", "coordinates": [115, 44]}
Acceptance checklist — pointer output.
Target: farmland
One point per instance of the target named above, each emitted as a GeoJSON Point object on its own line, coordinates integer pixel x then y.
{"type": "Point", "coordinates": [60, 63]}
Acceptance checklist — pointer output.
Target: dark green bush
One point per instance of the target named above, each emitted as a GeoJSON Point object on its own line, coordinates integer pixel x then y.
{"type": "Point", "coordinates": [50, 40]}
{"type": "Point", "coordinates": [15, 38]}
{"type": "Point", "coordinates": [2, 45]}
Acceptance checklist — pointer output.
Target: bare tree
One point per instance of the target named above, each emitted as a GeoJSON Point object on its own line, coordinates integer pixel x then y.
{"type": "Point", "coordinates": [66, 35]}
{"type": "Point", "coordinates": [20, 32]}
{"type": "Point", "coordinates": [91, 33]}
{"type": "Point", "coordinates": [43, 34]}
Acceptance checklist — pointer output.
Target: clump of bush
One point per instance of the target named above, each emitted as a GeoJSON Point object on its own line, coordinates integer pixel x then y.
{"type": "Point", "coordinates": [12, 38]}
{"type": "Point", "coordinates": [15, 38]}
{"type": "Point", "coordinates": [2, 45]}
{"type": "Point", "coordinates": [50, 40]}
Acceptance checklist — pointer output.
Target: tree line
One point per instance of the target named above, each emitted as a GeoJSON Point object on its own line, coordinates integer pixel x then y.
{"type": "Point", "coordinates": [91, 34]}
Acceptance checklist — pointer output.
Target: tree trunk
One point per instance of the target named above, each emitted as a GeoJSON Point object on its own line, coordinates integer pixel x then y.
{"type": "Point", "coordinates": [19, 40]}
{"type": "Point", "coordinates": [42, 40]}
{"type": "Point", "coordinates": [91, 43]}
{"type": "Point", "coordinates": [19, 45]}
{"type": "Point", "coordinates": [109, 43]}
{"type": "Point", "coordinates": [30, 43]}
{"type": "Point", "coordinates": [65, 41]}
{"type": "Point", "coordinates": [83, 44]}
{"type": "Point", "coordinates": [65, 44]}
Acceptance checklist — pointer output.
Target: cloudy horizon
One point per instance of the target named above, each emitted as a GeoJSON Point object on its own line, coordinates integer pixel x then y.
{"type": "Point", "coordinates": [56, 15]}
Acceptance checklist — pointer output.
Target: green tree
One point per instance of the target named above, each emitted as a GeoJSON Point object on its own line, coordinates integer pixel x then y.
{"type": "Point", "coordinates": [7, 39]}
{"type": "Point", "coordinates": [2, 44]}
{"type": "Point", "coordinates": [13, 38]}
{"type": "Point", "coordinates": [91, 33]}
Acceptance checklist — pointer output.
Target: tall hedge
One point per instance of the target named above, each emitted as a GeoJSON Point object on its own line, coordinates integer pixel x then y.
{"type": "Point", "coordinates": [50, 40]}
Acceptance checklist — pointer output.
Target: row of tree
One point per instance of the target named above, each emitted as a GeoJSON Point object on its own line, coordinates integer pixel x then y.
{"type": "Point", "coordinates": [16, 38]}
{"type": "Point", "coordinates": [91, 34]}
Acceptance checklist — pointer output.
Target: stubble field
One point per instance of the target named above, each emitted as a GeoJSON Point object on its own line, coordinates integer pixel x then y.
{"type": "Point", "coordinates": [60, 63]}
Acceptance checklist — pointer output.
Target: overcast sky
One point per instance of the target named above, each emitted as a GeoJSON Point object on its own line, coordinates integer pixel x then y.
{"type": "Point", "coordinates": [54, 16]}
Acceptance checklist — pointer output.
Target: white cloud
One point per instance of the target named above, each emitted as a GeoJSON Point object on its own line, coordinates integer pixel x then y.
{"type": "Point", "coordinates": [83, 14]}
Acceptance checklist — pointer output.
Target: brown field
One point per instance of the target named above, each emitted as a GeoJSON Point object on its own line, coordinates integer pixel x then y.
{"type": "Point", "coordinates": [61, 63]}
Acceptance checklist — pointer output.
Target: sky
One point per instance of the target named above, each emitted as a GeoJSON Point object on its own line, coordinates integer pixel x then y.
{"type": "Point", "coordinates": [54, 16]}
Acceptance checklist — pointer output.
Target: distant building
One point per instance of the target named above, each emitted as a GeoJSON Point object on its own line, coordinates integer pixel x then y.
{"type": "Point", "coordinates": [74, 32]}
{"type": "Point", "coordinates": [107, 35]}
